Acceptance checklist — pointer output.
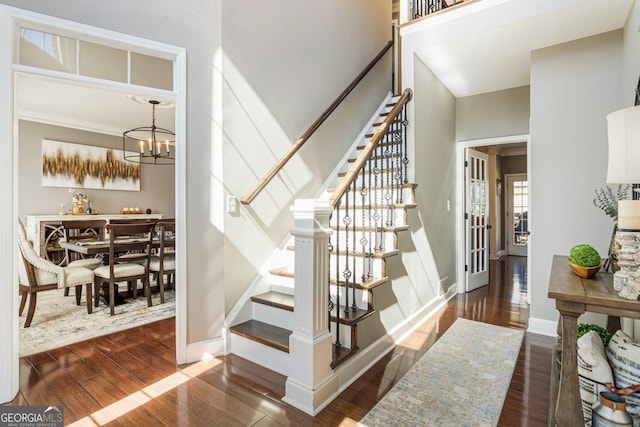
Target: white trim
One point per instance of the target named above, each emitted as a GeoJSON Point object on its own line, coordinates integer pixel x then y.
{"type": "Point", "coordinates": [9, 341]}
{"type": "Point", "coordinates": [460, 203]}
{"type": "Point", "coordinates": [180, 86]}
{"type": "Point", "coordinates": [543, 326]}
{"type": "Point", "coordinates": [508, 219]}
{"type": "Point", "coordinates": [203, 350]}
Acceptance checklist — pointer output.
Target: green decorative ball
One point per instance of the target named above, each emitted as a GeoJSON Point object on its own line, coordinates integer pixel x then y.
{"type": "Point", "coordinates": [584, 256]}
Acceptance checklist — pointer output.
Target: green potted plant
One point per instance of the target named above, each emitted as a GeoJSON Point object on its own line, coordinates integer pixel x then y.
{"type": "Point", "coordinates": [584, 260]}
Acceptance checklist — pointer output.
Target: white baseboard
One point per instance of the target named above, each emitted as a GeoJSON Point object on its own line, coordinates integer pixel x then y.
{"type": "Point", "coordinates": [543, 326]}
{"type": "Point", "coordinates": [204, 349]}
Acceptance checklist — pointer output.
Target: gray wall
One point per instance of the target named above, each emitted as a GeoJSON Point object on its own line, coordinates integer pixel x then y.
{"type": "Point", "coordinates": [573, 87]}
{"type": "Point", "coordinates": [156, 183]}
{"type": "Point", "coordinates": [493, 114]}
{"type": "Point", "coordinates": [283, 65]}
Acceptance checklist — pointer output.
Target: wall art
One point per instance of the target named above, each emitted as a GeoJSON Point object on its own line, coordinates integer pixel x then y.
{"type": "Point", "coordinates": [65, 164]}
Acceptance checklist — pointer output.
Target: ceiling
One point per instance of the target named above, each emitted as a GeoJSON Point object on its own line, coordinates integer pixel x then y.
{"type": "Point", "coordinates": [108, 110]}
{"type": "Point", "coordinates": [485, 46]}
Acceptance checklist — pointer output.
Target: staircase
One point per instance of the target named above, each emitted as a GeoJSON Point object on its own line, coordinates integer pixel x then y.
{"type": "Point", "coordinates": [370, 199]}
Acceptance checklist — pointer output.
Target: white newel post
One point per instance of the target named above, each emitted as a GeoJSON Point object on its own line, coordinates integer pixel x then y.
{"type": "Point", "coordinates": [311, 381]}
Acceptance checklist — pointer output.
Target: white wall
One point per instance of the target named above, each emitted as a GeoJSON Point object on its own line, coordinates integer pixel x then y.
{"type": "Point", "coordinates": [156, 182]}
{"type": "Point", "coordinates": [573, 87]}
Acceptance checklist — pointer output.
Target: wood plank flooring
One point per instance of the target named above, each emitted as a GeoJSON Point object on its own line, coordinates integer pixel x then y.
{"type": "Point", "coordinates": [130, 378]}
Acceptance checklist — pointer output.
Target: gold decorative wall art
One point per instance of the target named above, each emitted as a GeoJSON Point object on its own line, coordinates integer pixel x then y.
{"type": "Point", "coordinates": [84, 166]}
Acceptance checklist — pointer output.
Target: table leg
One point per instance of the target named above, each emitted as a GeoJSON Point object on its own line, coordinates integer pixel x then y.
{"type": "Point", "coordinates": [568, 406]}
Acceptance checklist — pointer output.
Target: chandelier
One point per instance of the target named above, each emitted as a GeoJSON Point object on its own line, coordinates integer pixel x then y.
{"type": "Point", "coordinates": [149, 144]}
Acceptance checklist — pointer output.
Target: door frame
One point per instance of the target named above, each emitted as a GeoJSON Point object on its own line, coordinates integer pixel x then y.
{"type": "Point", "coordinates": [508, 219]}
{"type": "Point", "coordinates": [10, 19]}
{"type": "Point", "coordinates": [461, 145]}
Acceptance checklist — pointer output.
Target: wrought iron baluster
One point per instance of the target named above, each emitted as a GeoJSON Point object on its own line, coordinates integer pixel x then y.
{"type": "Point", "coordinates": [337, 260]}
{"type": "Point", "coordinates": [363, 237]}
{"type": "Point", "coordinates": [353, 282]}
{"type": "Point", "coordinates": [370, 219]}
{"type": "Point", "coordinates": [378, 189]}
{"type": "Point", "coordinates": [397, 137]}
{"type": "Point", "coordinates": [405, 159]}
{"type": "Point", "coordinates": [347, 272]}
{"type": "Point", "coordinates": [330, 305]}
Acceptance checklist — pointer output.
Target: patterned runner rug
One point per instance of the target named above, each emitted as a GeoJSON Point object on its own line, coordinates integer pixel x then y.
{"type": "Point", "coordinates": [462, 380]}
{"type": "Point", "coordinates": [58, 321]}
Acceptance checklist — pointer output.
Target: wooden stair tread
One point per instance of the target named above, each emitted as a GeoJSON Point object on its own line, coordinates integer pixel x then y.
{"type": "Point", "coordinates": [386, 254]}
{"type": "Point", "coordinates": [360, 229]}
{"type": "Point", "coordinates": [341, 354]}
{"type": "Point", "coordinates": [282, 273]}
{"type": "Point", "coordinates": [369, 284]}
{"type": "Point", "coordinates": [384, 187]}
{"type": "Point", "coordinates": [366, 172]}
{"type": "Point", "coordinates": [389, 132]}
{"type": "Point", "coordinates": [353, 317]}
{"type": "Point", "coordinates": [264, 333]}
{"type": "Point", "coordinates": [378, 158]}
{"type": "Point", "coordinates": [275, 299]}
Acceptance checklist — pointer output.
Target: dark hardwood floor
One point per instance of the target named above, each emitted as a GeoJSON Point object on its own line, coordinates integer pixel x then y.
{"type": "Point", "coordinates": [130, 378]}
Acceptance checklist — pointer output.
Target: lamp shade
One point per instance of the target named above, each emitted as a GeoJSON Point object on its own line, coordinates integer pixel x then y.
{"type": "Point", "coordinates": [624, 146]}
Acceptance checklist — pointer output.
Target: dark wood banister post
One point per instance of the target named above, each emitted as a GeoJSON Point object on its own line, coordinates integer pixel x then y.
{"type": "Point", "coordinates": [300, 142]}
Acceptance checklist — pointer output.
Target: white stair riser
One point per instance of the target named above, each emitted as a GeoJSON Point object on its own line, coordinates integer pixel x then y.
{"type": "Point", "coordinates": [381, 197]}
{"type": "Point", "coordinates": [376, 268]}
{"type": "Point", "coordinates": [282, 282]}
{"type": "Point", "coordinates": [273, 315]}
{"type": "Point", "coordinates": [387, 239]}
{"type": "Point", "coordinates": [261, 354]}
{"type": "Point", "coordinates": [397, 216]}
{"type": "Point", "coordinates": [345, 335]}
{"type": "Point", "coordinates": [361, 297]}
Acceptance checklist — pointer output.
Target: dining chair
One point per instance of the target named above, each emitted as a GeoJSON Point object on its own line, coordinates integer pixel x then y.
{"type": "Point", "coordinates": [37, 274]}
{"type": "Point", "coordinates": [78, 230]}
{"type": "Point", "coordinates": [137, 256]}
{"type": "Point", "coordinates": [120, 236]}
{"type": "Point", "coordinates": [164, 263]}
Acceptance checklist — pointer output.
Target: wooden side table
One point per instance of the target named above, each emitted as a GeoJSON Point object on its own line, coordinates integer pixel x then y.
{"type": "Point", "coordinates": [575, 296]}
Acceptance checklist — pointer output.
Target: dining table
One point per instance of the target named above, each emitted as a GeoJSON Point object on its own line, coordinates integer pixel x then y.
{"type": "Point", "coordinates": [90, 247]}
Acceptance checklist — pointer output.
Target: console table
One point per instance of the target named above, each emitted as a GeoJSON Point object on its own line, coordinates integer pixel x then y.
{"type": "Point", "coordinates": [45, 230]}
{"type": "Point", "coordinates": [575, 296]}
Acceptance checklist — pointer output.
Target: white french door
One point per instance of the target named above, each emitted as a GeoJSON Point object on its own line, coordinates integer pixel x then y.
{"type": "Point", "coordinates": [517, 214]}
{"type": "Point", "coordinates": [477, 219]}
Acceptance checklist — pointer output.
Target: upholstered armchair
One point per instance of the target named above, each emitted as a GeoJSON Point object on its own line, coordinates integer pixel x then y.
{"type": "Point", "coordinates": [38, 274]}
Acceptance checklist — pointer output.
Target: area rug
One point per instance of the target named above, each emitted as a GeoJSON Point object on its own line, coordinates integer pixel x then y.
{"type": "Point", "coordinates": [58, 321]}
{"type": "Point", "coordinates": [461, 381]}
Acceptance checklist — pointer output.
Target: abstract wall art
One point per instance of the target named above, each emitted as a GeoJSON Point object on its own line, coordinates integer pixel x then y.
{"type": "Point", "coordinates": [84, 166]}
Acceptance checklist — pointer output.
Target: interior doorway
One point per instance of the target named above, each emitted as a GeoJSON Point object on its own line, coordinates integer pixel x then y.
{"type": "Point", "coordinates": [12, 20]}
{"type": "Point", "coordinates": [505, 156]}
{"type": "Point", "coordinates": [517, 214]}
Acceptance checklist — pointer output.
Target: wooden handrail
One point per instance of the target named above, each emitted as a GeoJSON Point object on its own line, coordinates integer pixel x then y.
{"type": "Point", "coordinates": [352, 174]}
{"type": "Point", "coordinates": [305, 136]}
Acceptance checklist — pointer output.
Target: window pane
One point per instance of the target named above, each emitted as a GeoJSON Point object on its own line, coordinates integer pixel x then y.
{"type": "Point", "coordinates": [151, 72]}
{"type": "Point", "coordinates": [103, 62]}
{"type": "Point", "coordinates": [48, 51]}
